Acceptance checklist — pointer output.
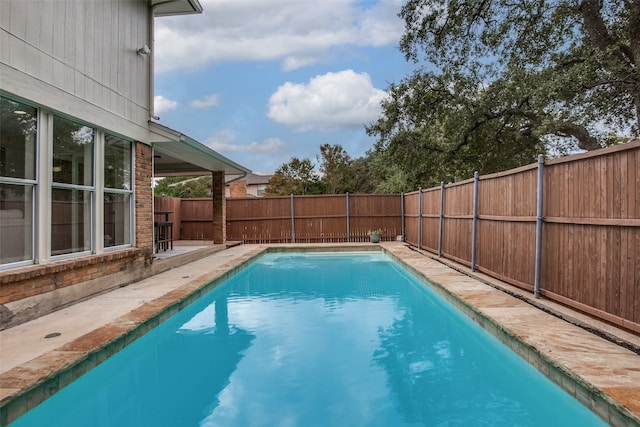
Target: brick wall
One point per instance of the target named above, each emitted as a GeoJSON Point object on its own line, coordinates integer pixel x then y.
{"type": "Point", "coordinates": [144, 200]}
{"type": "Point", "coordinates": [238, 188]}
{"type": "Point", "coordinates": [20, 283]}
{"type": "Point", "coordinates": [219, 208]}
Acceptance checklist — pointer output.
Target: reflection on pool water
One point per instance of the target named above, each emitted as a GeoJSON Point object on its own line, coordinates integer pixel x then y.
{"type": "Point", "coordinates": [314, 339]}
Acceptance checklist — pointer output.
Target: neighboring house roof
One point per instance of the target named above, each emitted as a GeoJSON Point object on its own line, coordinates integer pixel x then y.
{"type": "Point", "coordinates": [175, 7]}
{"type": "Point", "coordinates": [252, 179]}
{"type": "Point", "coordinates": [176, 154]}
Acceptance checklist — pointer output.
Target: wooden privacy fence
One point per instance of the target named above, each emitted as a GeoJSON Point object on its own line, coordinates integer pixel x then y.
{"type": "Point", "coordinates": [311, 219]}
{"type": "Point", "coordinates": [192, 218]}
{"type": "Point", "coordinates": [567, 229]}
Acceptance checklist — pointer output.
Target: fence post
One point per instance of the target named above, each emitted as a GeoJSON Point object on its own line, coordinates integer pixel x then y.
{"type": "Point", "coordinates": [348, 225]}
{"type": "Point", "coordinates": [293, 223]}
{"type": "Point", "coordinates": [419, 218]}
{"type": "Point", "coordinates": [402, 214]}
{"type": "Point", "coordinates": [536, 278]}
{"type": "Point", "coordinates": [474, 228]}
{"type": "Point", "coordinates": [441, 218]}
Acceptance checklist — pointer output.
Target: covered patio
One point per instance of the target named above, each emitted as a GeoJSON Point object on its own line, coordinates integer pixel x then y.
{"type": "Point", "coordinates": [176, 154]}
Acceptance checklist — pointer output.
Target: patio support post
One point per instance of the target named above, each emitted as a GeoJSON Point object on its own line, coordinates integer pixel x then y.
{"type": "Point", "coordinates": [419, 218]}
{"type": "Point", "coordinates": [219, 202]}
{"type": "Point", "coordinates": [348, 225]}
{"type": "Point", "coordinates": [293, 223]}
{"type": "Point", "coordinates": [539, 219]}
{"type": "Point", "coordinates": [441, 218]}
{"type": "Point", "coordinates": [474, 228]}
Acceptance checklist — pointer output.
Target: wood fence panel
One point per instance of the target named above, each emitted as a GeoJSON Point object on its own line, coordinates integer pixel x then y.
{"type": "Point", "coordinates": [506, 250]}
{"type": "Point", "coordinates": [411, 219]}
{"type": "Point", "coordinates": [591, 240]}
{"type": "Point", "coordinates": [320, 219]}
{"type": "Point", "coordinates": [321, 230]}
{"type": "Point", "coordinates": [430, 219]}
{"type": "Point", "coordinates": [509, 194]}
{"type": "Point", "coordinates": [259, 220]}
{"type": "Point", "coordinates": [507, 226]}
{"type": "Point", "coordinates": [375, 212]}
{"type": "Point", "coordinates": [197, 219]}
{"type": "Point", "coordinates": [457, 222]}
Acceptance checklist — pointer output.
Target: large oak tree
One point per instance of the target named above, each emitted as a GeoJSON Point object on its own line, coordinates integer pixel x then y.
{"type": "Point", "coordinates": [512, 79]}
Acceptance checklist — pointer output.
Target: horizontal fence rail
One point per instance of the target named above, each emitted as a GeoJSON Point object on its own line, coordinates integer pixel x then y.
{"type": "Point", "coordinates": [566, 229]}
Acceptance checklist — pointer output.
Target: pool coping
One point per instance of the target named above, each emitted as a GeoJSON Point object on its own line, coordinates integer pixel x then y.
{"type": "Point", "coordinates": [615, 397]}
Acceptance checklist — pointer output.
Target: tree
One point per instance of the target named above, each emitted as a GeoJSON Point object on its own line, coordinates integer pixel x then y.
{"type": "Point", "coordinates": [184, 187]}
{"type": "Point", "coordinates": [512, 79]}
{"type": "Point", "coordinates": [334, 165]}
{"type": "Point", "coordinates": [296, 177]}
{"type": "Point", "coordinates": [587, 51]}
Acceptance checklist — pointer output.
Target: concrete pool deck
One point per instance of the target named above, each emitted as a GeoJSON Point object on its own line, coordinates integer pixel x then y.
{"type": "Point", "coordinates": [601, 374]}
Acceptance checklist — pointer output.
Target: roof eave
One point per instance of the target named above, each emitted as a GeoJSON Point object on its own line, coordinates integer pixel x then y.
{"type": "Point", "coordinates": [195, 158]}
{"type": "Point", "coordinates": [175, 7]}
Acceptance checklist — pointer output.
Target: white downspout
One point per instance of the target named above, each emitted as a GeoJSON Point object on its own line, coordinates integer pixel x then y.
{"type": "Point", "coordinates": [152, 113]}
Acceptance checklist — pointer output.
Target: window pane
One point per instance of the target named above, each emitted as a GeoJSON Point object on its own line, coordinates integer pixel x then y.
{"type": "Point", "coordinates": [17, 139]}
{"type": "Point", "coordinates": [70, 221]}
{"type": "Point", "coordinates": [117, 163]}
{"type": "Point", "coordinates": [16, 230]}
{"type": "Point", "coordinates": [72, 152]}
{"type": "Point", "coordinates": [117, 219]}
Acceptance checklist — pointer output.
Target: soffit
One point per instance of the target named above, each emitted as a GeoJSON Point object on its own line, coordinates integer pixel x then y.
{"type": "Point", "coordinates": [176, 154]}
{"type": "Point", "coordinates": [175, 7]}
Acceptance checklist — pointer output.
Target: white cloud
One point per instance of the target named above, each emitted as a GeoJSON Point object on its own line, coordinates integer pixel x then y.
{"type": "Point", "coordinates": [205, 102]}
{"type": "Point", "coordinates": [224, 142]}
{"type": "Point", "coordinates": [330, 101]}
{"type": "Point", "coordinates": [297, 33]}
{"type": "Point", "coordinates": [162, 104]}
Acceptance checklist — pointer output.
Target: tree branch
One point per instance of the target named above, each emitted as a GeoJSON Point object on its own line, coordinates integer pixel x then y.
{"type": "Point", "coordinates": [585, 140]}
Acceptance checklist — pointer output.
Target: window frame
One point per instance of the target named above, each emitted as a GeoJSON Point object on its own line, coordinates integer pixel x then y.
{"type": "Point", "coordinates": [91, 189]}
{"type": "Point", "coordinates": [27, 183]}
{"type": "Point", "coordinates": [130, 191]}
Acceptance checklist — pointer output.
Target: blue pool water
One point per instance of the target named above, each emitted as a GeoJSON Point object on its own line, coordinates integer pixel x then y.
{"type": "Point", "coordinates": [314, 340]}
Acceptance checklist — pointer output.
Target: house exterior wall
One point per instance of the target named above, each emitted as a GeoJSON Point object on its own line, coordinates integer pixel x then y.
{"type": "Point", "coordinates": [28, 292]}
{"type": "Point", "coordinates": [79, 58]}
{"type": "Point", "coordinates": [74, 65]}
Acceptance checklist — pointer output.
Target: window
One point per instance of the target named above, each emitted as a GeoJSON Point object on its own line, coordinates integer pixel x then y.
{"type": "Point", "coordinates": [72, 187]}
{"type": "Point", "coordinates": [41, 150]}
{"type": "Point", "coordinates": [18, 136]}
{"type": "Point", "coordinates": [118, 192]}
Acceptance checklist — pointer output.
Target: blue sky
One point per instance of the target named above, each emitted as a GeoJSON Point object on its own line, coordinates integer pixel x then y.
{"type": "Point", "coordinates": [261, 81]}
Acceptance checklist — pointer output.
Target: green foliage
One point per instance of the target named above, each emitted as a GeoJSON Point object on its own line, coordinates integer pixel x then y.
{"type": "Point", "coordinates": [342, 174]}
{"type": "Point", "coordinates": [513, 79]}
{"type": "Point", "coordinates": [185, 187]}
{"type": "Point", "coordinates": [338, 174]}
{"type": "Point", "coordinates": [296, 177]}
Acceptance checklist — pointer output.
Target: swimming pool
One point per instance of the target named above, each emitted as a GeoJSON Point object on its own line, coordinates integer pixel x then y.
{"type": "Point", "coordinates": [314, 339]}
